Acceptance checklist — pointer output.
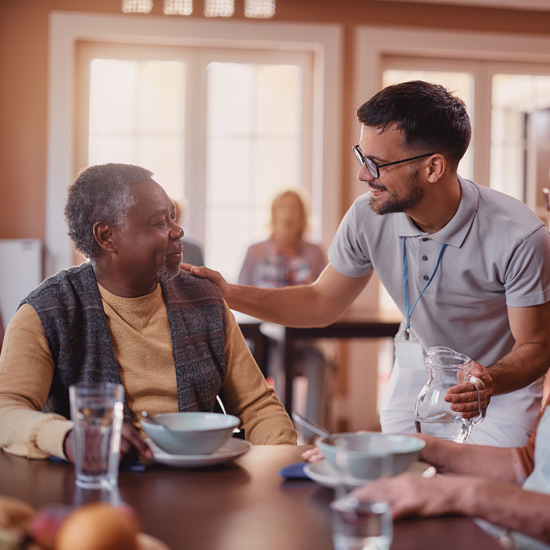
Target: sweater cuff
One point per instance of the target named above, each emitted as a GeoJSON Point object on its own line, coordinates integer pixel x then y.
{"type": "Point", "coordinates": [51, 436]}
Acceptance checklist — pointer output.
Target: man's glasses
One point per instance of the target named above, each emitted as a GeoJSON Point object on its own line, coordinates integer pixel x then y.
{"type": "Point", "coordinates": [373, 167]}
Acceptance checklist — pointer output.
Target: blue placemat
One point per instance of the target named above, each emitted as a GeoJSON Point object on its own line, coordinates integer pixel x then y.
{"type": "Point", "coordinates": [294, 471]}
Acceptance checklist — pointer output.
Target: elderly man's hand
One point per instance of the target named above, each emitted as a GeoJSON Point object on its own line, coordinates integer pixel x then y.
{"type": "Point", "coordinates": [131, 441]}
{"type": "Point", "coordinates": [412, 495]}
{"type": "Point", "coordinates": [312, 455]}
{"type": "Point", "coordinates": [463, 397]}
{"type": "Point", "coordinates": [206, 273]}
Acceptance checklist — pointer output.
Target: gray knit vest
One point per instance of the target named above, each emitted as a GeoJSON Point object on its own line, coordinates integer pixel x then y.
{"type": "Point", "coordinates": [71, 311]}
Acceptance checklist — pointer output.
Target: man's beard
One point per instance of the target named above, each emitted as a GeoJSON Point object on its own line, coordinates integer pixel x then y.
{"type": "Point", "coordinates": [164, 274]}
{"type": "Point", "coordinates": [393, 204]}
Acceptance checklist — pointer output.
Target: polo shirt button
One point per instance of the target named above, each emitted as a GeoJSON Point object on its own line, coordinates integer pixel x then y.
{"type": "Point", "coordinates": [424, 239]}
{"type": "Point", "coordinates": [426, 277]}
{"type": "Point", "coordinates": [425, 258]}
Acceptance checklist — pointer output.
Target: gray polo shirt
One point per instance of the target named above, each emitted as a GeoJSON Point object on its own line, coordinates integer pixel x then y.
{"type": "Point", "coordinates": [496, 257]}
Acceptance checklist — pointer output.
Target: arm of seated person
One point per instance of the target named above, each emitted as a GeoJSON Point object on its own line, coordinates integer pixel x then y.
{"type": "Point", "coordinates": [502, 504]}
{"type": "Point", "coordinates": [246, 394]}
{"type": "Point", "coordinates": [26, 372]}
{"type": "Point", "coordinates": [449, 457]}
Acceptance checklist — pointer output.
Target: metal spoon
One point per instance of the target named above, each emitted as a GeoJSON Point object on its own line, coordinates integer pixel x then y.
{"type": "Point", "coordinates": [152, 419]}
{"type": "Point", "coordinates": [315, 428]}
{"type": "Point", "coordinates": [220, 403]}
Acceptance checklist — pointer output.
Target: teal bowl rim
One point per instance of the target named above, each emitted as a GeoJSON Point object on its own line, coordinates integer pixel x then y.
{"type": "Point", "coordinates": [235, 421]}
{"type": "Point", "coordinates": [418, 446]}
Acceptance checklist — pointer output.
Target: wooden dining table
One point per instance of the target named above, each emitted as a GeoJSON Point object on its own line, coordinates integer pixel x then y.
{"type": "Point", "coordinates": [241, 505]}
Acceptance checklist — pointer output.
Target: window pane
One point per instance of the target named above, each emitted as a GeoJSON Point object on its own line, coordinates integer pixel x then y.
{"type": "Point", "coordinates": [254, 136]}
{"type": "Point", "coordinates": [137, 6]}
{"type": "Point", "coordinates": [137, 116]}
{"type": "Point", "coordinates": [178, 7]}
{"type": "Point", "coordinates": [219, 8]}
{"type": "Point", "coordinates": [228, 170]}
{"type": "Point", "coordinates": [278, 103]}
{"type": "Point", "coordinates": [259, 8]}
{"type": "Point", "coordinates": [520, 137]}
{"type": "Point", "coordinates": [230, 96]}
{"type": "Point", "coordinates": [460, 84]}
{"type": "Point", "coordinates": [112, 97]}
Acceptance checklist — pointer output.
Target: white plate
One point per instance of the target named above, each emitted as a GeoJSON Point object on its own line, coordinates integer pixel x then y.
{"type": "Point", "coordinates": [324, 474]}
{"type": "Point", "coordinates": [228, 451]}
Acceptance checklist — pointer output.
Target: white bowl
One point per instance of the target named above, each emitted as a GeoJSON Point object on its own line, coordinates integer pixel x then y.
{"type": "Point", "coordinates": [370, 455]}
{"type": "Point", "coordinates": [191, 433]}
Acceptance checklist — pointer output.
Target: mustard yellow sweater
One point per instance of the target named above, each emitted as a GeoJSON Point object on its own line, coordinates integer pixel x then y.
{"type": "Point", "coordinates": [142, 345]}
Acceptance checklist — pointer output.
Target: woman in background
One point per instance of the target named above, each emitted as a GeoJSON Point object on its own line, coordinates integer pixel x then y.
{"type": "Point", "coordinates": [287, 259]}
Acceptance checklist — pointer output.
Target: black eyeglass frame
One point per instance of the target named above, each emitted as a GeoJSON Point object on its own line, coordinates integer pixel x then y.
{"type": "Point", "coordinates": [373, 167]}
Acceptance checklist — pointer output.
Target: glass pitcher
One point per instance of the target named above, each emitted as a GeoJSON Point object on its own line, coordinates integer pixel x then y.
{"type": "Point", "coordinates": [433, 415]}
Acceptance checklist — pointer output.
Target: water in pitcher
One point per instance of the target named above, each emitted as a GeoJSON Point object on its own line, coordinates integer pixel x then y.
{"type": "Point", "coordinates": [445, 425]}
{"type": "Point", "coordinates": [445, 368]}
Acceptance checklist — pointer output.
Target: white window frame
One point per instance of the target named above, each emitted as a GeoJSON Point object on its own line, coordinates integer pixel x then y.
{"type": "Point", "coordinates": [324, 42]}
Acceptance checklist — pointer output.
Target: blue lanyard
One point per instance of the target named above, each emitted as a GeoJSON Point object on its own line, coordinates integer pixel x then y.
{"type": "Point", "coordinates": [406, 284]}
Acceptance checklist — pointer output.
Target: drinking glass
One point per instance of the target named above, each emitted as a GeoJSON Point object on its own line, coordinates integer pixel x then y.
{"type": "Point", "coordinates": [359, 525]}
{"type": "Point", "coordinates": [97, 413]}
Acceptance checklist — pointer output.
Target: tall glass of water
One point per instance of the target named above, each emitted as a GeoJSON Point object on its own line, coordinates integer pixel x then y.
{"type": "Point", "coordinates": [359, 525]}
{"type": "Point", "coordinates": [97, 413]}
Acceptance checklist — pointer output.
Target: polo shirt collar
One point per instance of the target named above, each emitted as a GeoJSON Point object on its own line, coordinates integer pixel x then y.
{"type": "Point", "coordinates": [454, 233]}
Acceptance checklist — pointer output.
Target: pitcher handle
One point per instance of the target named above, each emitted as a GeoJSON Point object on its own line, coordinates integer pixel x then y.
{"type": "Point", "coordinates": [479, 385]}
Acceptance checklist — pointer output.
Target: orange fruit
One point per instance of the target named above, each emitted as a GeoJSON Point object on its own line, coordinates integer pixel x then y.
{"type": "Point", "coordinates": [98, 526]}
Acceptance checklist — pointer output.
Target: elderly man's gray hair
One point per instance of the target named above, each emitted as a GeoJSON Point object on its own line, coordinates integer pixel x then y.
{"type": "Point", "coordinates": [100, 193]}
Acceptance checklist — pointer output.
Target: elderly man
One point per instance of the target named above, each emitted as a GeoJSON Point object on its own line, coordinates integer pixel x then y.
{"type": "Point", "coordinates": [128, 315]}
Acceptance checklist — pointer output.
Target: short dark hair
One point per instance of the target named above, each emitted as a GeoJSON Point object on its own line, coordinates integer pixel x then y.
{"type": "Point", "coordinates": [100, 193]}
{"type": "Point", "coordinates": [431, 118]}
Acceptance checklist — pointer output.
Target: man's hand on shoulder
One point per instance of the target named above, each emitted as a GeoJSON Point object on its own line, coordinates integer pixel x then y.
{"type": "Point", "coordinates": [206, 273]}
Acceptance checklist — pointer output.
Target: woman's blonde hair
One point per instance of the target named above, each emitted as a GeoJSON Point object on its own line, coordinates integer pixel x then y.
{"type": "Point", "coordinates": [300, 196]}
